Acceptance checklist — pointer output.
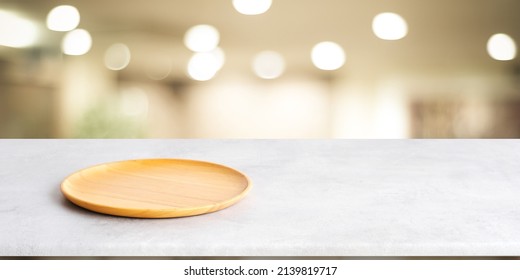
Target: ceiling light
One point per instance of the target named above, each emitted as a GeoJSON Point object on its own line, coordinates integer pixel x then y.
{"type": "Point", "coordinates": [76, 42]}
{"type": "Point", "coordinates": [328, 56]}
{"type": "Point", "coordinates": [220, 57]}
{"type": "Point", "coordinates": [501, 47]}
{"type": "Point", "coordinates": [252, 7]}
{"type": "Point", "coordinates": [202, 38]}
{"type": "Point", "coordinates": [204, 66]}
{"type": "Point", "coordinates": [117, 56]}
{"type": "Point", "coordinates": [63, 18]}
{"type": "Point", "coordinates": [268, 65]}
{"type": "Point", "coordinates": [16, 32]}
{"type": "Point", "coordinates": [389, 26]}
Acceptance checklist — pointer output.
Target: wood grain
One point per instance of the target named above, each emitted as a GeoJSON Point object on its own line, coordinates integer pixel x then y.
{"type": "Point", "coordinates": [156, 188]}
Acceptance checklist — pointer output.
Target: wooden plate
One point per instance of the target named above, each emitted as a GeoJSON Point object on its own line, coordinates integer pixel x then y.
{"type": "Point", "coordinates": [156, 188]}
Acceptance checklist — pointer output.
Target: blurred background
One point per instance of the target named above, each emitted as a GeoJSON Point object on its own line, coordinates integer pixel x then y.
{"type": "Point", "coordinates": [259, 69]}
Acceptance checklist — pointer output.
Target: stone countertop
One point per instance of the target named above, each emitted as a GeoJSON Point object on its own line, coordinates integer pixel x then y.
{"type": "Point", "coordinates": [310, 198]}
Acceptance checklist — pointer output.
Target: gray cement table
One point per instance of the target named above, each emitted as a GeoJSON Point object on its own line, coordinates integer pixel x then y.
{"type": "Point", "coordinates": [310, 198]}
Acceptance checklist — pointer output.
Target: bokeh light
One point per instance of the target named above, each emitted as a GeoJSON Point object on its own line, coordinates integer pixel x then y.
{"type": "Point", "coordinates": [501, 47]}
{"type": "Point", "coordinates": [159, 69]}
{"type": "Point", "coordinates": [268, 65]}
{"type": "Point", "coordinates": [328, 56]}
{"type": "Point", "coordinates": [204, 66]}
{"type": "Point", "coordinates": [389, 26]}
{"type": "Point", "coordinates": [63, 18]}
{"type": "Point", "coordinates": [252, 7]}
{"type": "Point", "coordinates": [76, 42]}
{"type": "Point", "coordinates": [16, 31]}
{"type": "Point", "coordinates": [117, 57]}
{"type": "Point", "coordinates": [134, 102]}
{"type": "Point", "coordinates": [202, 38]}
{"type": "Point", "coordinates": [220, 56]}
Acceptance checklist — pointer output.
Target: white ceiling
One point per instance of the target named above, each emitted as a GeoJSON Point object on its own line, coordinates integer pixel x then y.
{"type": "Point", "coordinates": [443, 35]}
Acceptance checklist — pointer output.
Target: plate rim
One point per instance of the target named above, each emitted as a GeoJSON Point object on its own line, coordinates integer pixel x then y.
{"type": "Point", "coordinates": [166, 212]}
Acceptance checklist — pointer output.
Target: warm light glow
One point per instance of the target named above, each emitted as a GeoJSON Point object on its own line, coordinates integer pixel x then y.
{"type": "Point", "coordinates": [268, 65]}
{"type": "Point", "coordinates": [202, 38]}
{"type": "Point", "coordinates": [501, 47]}
{"type": "Point", "coordinates": [252, 7]}
{"type": "Point", "coordinates": [117, 57]}
{"type": "Point", "coordinates": [294, 107]}
{"type": "Point", "coordinates": [328, 56]}
{"type": "Point", "coordinates": [220, 56]}
{"type": "Point", "coordinates": [76, 42]}
{"type": "Point", "coordinates": [204, 66]}
{"type": "Point", "coordinates": [370, 109]}
{"type": "Point", "coordinates": [390, 119]}
{"type": "Point", "coordinates": [63, 18]}
{"type": "Point", "coordinates": [389, 26]}
{"type": "Point", "coordinates": [16, 32]}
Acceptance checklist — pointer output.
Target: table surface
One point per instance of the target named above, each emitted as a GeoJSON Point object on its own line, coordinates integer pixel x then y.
{"type": "Point", "coordinates": [310, 198]}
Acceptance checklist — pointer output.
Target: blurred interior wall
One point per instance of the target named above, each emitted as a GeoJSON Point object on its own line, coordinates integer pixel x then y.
{"type": "Point", "coordinates": [54, 96]}
{"type": "Point", "coordinates": [84, 82]}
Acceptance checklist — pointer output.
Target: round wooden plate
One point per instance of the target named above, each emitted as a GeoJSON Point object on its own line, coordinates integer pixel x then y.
{"type": "Point", "coordinates": [156, 188]}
